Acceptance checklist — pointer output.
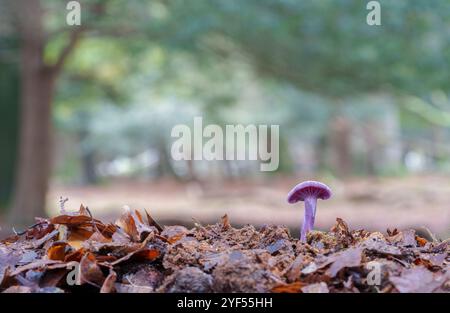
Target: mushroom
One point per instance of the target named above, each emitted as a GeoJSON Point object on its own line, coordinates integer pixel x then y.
{"type": "Point", "coordinates": [309, 192]}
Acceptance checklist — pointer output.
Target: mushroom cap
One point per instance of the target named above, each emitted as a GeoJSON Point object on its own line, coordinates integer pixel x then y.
{"type": "Point", "coordinates": [307, 189]}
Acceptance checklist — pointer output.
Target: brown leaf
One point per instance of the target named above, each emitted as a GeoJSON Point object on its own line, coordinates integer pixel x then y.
{"type": "Point", "coordinates": [108, 284]}
{"type": "Point", "coordinates": [342, 231]}
{"type": "Point", "coordinates": [127, 288]}
{"type": "Point", "coordinates": [142, 229]}
{"type": "Point", "coordinates": [293, 273]}
{"type": "Point", "coordinates": [90, 272]}
{"type": "Point", "coordinates": [174, 233]}
{"type": "Point", "coordinates": [143, 254]}
{"type": "Point", "coordinates": [105, 258]}
{"type": "Point", "coordinates": [348, 258]}
{"type": "Point", "coordinates": [316, 288]}
{"type": "Point", "coordinates": [421, 241]}
{"type": "Point", "coordinates": [405, 238]}
{"type": "Point", "coordinates": [377, 243]}
{"type": "Point", "coordinates": [52, 277]}
{"type": "Point", "coordinates": [147, 254]}
{"type": "Point", "coordinates": [83, 210]}
{"type": "Point", "coordinates": [120, 237]}
{"type": "Point", "coordinates": [98, 237]}
{"type": "Point", "coordinates": [148, 276]}
{"type": "Point", "coordinates": [39, 230]}
{"type": "Point", "coordinates": [392, 232]}
{"type": "Point", "coordinates": [152, 222]}
{"type": "Point", "coordinates": [75, 256]}
{"type": "Point", "coordinates": [57, 251]}
{"type": "Point", "coordinates": [419, 279]}
{"type": "Point", "coordinates": [42, 263]}
{"type": "Point", "coordinates": [289, 288]}
{"type": "Point", "coordinates": [127, 223]}
{"type": "Point", "coordinates": [142, 247]}
{"type": "Point", "coordinates": [38, 243]}
{"type": "Point", "coordinates": [175, 238]}
{"type": "Point", "coordinates": [225, 222]}
{"type": "Point", "coordinates": [71, 220]}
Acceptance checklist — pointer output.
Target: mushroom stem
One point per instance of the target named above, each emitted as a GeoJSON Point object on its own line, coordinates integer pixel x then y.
{"type": "Point", "coordinates": [310, 215]}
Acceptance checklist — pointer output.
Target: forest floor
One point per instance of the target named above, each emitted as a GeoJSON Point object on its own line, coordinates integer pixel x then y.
{"type": "Point", "coordinates": [252, 248]}
{"type": "Point", "coordinates": [75, 252]}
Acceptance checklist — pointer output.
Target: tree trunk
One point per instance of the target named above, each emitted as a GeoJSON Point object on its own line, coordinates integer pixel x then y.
{"type": "Point", "coordinates": [164, 166]}
{"type": "Point", "coordinates": [9, 94]}
{"type": "Point", "coordinates": [33, 168]}
{"type": "Point", "coordinates": [341, 145]}
{"type": "Point", "coordinates": [37, 85]}
{"type": "Point", "coordinates": [37, 88]}
{"type": "Point", "coordinates": [372, 148]}
{"type": "Point", "coordinates": [87, 155]}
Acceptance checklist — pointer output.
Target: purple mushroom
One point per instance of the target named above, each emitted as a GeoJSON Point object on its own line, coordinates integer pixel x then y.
{"type": "Point", "coordinates": [309, 192]}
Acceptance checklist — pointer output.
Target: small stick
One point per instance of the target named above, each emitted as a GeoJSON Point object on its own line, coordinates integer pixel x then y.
{"type": "Point", "coordinates": [62, 202]}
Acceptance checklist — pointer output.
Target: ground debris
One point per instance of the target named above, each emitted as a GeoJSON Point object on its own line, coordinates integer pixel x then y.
{"type": "Point", "coordinates": [76, 252]}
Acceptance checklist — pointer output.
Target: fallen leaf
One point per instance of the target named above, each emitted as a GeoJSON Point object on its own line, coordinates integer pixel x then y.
{"type": "Point", "coordinates": [419, 280]}
{"type": "Point", "coordinates": [277, 246]}
{"type": "Point", "coordinates": [127, 288]}
{"type": "Point", "coordinates": [294, 287]}
{"type": "Point", "coordinates": [294, 270]}
{"type": "Point", "coordinates": [147, 254]}
{"type": "Point", "coordinates": [174, 233]}
{"type": "Point", "coordinates": [225, 222]}
{"type": "Point", "coordinates": [75, 256]}
{"type": "Point", "coordinates": [108, 284]}
{"type": "Point", "coordinates": [90, 272]}
{"type": "Point", "coordinates": [28, 257]}
{"type": "Point", "coordinates": [71, 220]}
{"type": "Point", "coordinates": [52, 277]}
{"type": "Point", "coordinates": [36, 264]}
{"type": "Point", "coordinates": [405, 238]}
{"type": "Point", "coordinates": [316, 288]}
{"type": "Point", "coordinates": [421, 241]}
{"type": "Point", "coordinates": [57, 251]}
{"type": "Point", "coordinates": [152, 222]}
{"type": "Point", "coordinates": [37, 243]}
{"type": "Point", "coordinates": [348, 258]}
{"type": "Point", "coordinates": [127, 223]}
{"type": "Point", "coordinates": [380, 245]}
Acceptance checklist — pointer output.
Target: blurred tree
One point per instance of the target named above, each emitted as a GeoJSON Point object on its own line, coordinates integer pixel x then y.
{"type": "Point", "coordinates": [9, 98]}
{"type": "Point", "coordinates": [37, 87]}
{"type": "Point", "coordinates": [9, 104]}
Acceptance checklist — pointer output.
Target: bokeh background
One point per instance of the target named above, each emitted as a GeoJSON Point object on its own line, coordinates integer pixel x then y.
{"type": "Point", "coordinates": [86, 111]}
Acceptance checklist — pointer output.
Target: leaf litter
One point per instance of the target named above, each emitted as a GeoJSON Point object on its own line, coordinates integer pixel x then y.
{"type": "Point", "coordinates": [136, 254]}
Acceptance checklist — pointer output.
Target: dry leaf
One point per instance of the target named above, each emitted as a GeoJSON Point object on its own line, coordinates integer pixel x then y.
{"type": "Point", "coordinates": [316, 288]}
{"type": "Point", "coordinates": [90, 272]}
{"type": "Point", "coordinates": [294, 287]}
{"type": "Point", "coordinates": [108, 284]}
{"type": "Point", "coordinates": [57, 251]}
{"type": "Point", "coordinates": [348, 258]}
{"type": "Point", "coordinates": [419, 279]}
